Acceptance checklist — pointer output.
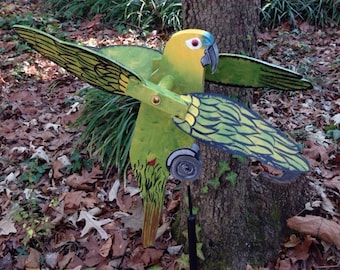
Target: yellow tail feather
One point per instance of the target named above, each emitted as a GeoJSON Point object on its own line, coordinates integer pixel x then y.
{"type": "Point", "coordinates": [151, 221]}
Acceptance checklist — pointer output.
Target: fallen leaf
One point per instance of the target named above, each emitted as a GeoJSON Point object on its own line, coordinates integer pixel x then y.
{"type": "Point", "coordinates": [114, 190]}
{"type": "Point", "coordinates": [132, 190]}
{"type": "Point", "coordinates": [162, 229]}
{"type": "Point", "coordinates": [151, 255]}
{"type": "Point", "coordinates": [292, 242]}
{"type": "Point", "coordinates": [65, 260]}
{"type": "Point", "coordinates": [73, 199]}
{"type": "Point", "coordinates": [135, 220]}
{"type": "Point", "coordinates": [105, 249]}
{"type": "Point", "coordinates": [320, 227]}
{"type": "Point", "coordinates": [119, 244]}
{"type": "Point", "coordinates": [333, 183]}
{"type": "Point", "coordinates": [124, 201]}
{"type": "Point", "coordinates": [40, 153]}
{"type": "Point", "coordinates": [91, 222]}
{"type": "Point", "coordinates": [336, 119]}
{"type": "Point", "coordinates": [285, 264]}
{"type": "Point", "coordinates": [33, 260]}
{"type": "Point", "coordinates": [7, 225]}
{"type": "Point", "coordinates": [316, 152]}
{"type": "Point", "coordinates": [57, 166]}
{"type": "Point", "coordinates": [51, 259]}
{"type": "Point", "coordinates": [93, 245]}
{"type": "Point", "coordinates": [85, 179]}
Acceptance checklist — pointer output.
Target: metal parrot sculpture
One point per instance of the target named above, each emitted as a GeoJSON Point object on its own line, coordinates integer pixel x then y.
{"type": "Point", "coordinates": [174, 110]}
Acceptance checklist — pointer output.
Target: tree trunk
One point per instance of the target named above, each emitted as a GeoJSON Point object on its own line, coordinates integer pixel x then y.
{"type": "Point", "coordinates": [244, 223]}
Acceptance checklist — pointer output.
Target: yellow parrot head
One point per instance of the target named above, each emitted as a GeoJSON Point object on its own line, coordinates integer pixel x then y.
{"type": "Point", "coordinates": [191, 47]}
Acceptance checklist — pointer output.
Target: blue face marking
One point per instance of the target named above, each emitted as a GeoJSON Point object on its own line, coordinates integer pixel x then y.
{"type": "Point", "coordinates": [207, 40]}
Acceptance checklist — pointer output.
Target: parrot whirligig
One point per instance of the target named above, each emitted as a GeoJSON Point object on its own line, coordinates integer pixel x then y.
{"type": "Point", "coordinates": [174, 110]}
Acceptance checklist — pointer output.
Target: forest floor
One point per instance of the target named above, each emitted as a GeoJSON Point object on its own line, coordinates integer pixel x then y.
{"type": "Point", "coordinates": [58, 210]}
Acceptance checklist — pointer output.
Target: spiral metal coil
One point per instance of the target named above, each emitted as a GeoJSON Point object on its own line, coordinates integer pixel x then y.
{"type": "Point", "coordinates": [184, 164]}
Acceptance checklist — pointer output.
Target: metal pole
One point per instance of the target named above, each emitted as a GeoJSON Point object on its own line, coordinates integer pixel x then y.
{"type": "Point", "coordinates": [192, 235]}
{"type": "Point", "coordinates": [185, 165]}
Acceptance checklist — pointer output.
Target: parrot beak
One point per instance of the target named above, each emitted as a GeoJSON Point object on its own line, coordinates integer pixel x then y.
{"type": "Point", "coordinates": [210, 57]}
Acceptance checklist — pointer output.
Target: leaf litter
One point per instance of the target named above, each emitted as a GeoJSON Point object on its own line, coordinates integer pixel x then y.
{"type": "Point", "coordinates": [96, 219]}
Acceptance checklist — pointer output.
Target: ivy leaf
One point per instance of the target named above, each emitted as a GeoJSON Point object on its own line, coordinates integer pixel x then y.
{"type": "Point", "coordinates": [215, 183]}
{"type": "Point", "coordinates": [334, 133]}
{"type": "Point", "coordinates": [232, 178]}
{"type": "Point", "coordinates": [223, 167]}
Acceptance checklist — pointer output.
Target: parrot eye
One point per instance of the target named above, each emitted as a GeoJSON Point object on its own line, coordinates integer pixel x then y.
{"type": "Point", "coordinates": [193, 43]}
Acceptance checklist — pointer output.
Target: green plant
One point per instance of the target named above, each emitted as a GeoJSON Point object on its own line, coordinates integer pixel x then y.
{"type": "Point", "coordinates": [109, 121]}
{"type": "Point", "coordinates": [224, 169]}
{"type": "Point", "coordinates": [77, 162]}
{"type": "Point", "coordinates": [333, 133]}
{"type": "Point", "coordinates": [141, 15]}
{"type": "Point", "coordinates": [317, 12]}
{"type": "Point", "coordinates": [33, 170]}
{"type": "Point", "coordinates": [10, 16]}
{"type": "Point", "coordinates": [29, 215]}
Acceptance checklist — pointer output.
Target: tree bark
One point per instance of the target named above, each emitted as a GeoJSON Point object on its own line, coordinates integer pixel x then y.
{"type": "Point", "coordinates": [245, 223]}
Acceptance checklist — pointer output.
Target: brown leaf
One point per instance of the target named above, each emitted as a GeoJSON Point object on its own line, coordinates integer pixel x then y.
{"type": "Point", "coordinates": [57, 165]}
{"type": "Point", "coordinates": [105, 249]}
{"type": "Point", "coordinates": [124, 201]}
{"type": "Point", "coordinates": [119, 244]}
{"type": "Point", "coordinates": [85, 179]}
{"type": "Point", "coordinates": [301, 251]}
{"type": "Point", "coordinates": [285, 264]}
{"type": "Point", "coordinates": [93, 256]}
{"type": "Point", "coordinates": [292, 242]}
{"type": "Point", "coordinates": [151, 256]}
{"type": "Point", "coordinates": [333, 183]}
{"type": "Point", "coordinates": [320, 227]}
{"type": "Point", "coordinates": [33, 260]}
{"type": "Point", "coordinates": [316, 152]}
{"type": "Point", "coordinates": [73, 199]}
{"type": "Point", "coordinates": [135, 220]}
{"type": "Point", "coordinates": [65, 260]}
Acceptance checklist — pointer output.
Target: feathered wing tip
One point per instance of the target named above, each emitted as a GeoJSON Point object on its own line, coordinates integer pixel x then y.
{"type": "Point", "coordinates": [245, 71]}
{"type": "Point", "coordinates": [229, 125]}
{"type": "Point", "coordinates": [87, 64]}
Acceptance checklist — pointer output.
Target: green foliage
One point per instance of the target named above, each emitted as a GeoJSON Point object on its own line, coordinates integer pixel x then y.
{"type": "Point", "coordinates": [29, 215]}
{"type": "Point", "coordinates": [78, 162]}
{"type": "Point", "coordinates": [9, 17]}
{"type": "Point", "coordinates": [34, 169]}
{"type": "Point", "coordinates": [183, 261]}
{"type": "Point", "coordinates": [232, 178]}
{"type": "Point", "coordinates": [164, 15]}
{"type": "Point", "coordinates": [109, 121]}
{"type": "Point", "coordinates": [316, 12]}
{"type": "Point", "coordinates": [223, 169]}
{"type": "Point", "coordinates": [334, 134]}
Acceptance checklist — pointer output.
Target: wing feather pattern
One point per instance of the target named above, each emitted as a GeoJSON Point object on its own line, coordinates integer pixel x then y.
{"type": "Point", "coordinates": [87, 64]}
{"type": "Point", "coordinates": [229, 125]}
{"type": "Point", "coordinates": [244, 71]}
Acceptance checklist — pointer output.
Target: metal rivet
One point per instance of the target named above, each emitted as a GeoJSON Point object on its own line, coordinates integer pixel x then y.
{"type": "Point", "coordinates": [156, 100]}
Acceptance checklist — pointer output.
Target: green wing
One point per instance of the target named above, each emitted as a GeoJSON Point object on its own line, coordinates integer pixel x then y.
{"type": "Point", "coordinates": [229, 125]}
{"type": "Point", "coordinates": [244, 71]}
{"type": "Point", "coordinates": [87, 64]}
{"type": "Point", "coordinates": [140, 59]}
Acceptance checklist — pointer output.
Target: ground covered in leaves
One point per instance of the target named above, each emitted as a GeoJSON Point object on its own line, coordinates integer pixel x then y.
{"type": "Point", "coordinates": [58, 210]}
